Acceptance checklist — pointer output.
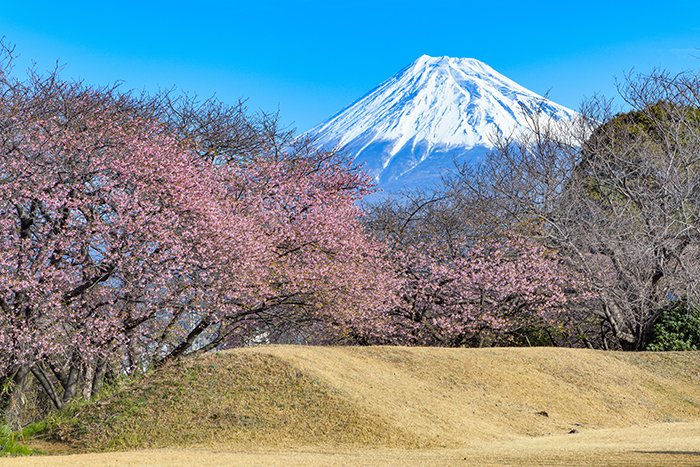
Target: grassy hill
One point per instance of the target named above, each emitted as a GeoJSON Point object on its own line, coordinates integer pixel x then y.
{"type": "Point", "coordinates": [285, 397]}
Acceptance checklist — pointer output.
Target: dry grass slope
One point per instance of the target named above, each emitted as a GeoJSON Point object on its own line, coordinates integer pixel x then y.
{"type": "Point", "coordinates": [456, 397]}
{"type": "Point", "coordinates": [431, 401]}
{"type": "Point", "coordinates": [238, 399]}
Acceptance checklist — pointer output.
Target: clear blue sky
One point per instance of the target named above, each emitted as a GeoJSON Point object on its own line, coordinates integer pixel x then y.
{"type": "Point", "coordinates": [311, 58]}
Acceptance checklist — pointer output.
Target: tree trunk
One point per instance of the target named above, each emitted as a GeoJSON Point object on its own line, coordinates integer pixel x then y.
{"type": "Point", "coordinates": [14, 402]}
{"type": "Point", "coordinates": [186, 344]}
{"type": "Point", "coordinates": [71, 385]}
{"type": "Point", "coordinates": [98, 378]}
{"type": "Point", "coordinates": [47, 385]}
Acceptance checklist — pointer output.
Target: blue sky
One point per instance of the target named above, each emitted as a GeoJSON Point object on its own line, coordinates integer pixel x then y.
{"type": "Point", "coordinates": [311, 58]}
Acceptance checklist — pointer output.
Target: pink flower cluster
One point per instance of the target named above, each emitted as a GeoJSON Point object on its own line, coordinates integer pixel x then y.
{"type": "Point", "coordinates": [494, 289]}
{"type": "Point", "coordinates": [113, 232]}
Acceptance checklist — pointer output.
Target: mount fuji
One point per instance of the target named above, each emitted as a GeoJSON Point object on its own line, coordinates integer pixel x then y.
{"type": "Point", "coordinates": [413, 128]}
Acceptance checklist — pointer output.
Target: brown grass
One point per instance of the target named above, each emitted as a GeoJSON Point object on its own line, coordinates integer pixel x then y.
{"type": "Point", "coordinates": [457, 397]}
{"type": "Point", "coordinates": [235, 399]}
{"type": "Point", "coordinates": [672, 444]}
{"type": "Point", "coordinates": [392, 405]}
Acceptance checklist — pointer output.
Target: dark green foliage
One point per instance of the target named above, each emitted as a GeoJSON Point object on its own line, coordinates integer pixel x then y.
{"type": "Point", "coordinates": [678, 328]}
{"type": "Point", "coordinates": [651, 123]}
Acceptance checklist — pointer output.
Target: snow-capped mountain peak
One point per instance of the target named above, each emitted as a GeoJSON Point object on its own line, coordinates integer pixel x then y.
{"type": "Point", "coordinates": [411, 128]}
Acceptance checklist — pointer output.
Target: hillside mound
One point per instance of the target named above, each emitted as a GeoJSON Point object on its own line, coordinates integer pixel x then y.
{"type": "Point", "coordinates": [286, 397]}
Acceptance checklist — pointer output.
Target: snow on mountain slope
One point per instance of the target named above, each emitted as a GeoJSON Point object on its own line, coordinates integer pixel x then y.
{"type": "Point", "coordinates": [411, 129]}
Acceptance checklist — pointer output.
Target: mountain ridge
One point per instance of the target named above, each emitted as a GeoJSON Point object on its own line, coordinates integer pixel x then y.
{"type": "Point", "coordinates": [412, 128]}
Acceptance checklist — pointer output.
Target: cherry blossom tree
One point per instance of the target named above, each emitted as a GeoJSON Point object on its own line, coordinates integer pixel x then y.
{"type": "Point", "coordinates": [497, 290]}
{"type": "Point", "coordinates": [468, 279]}
{"type": "Point", "coordinates": [101, 213]}
{"type": "Point", "coordinates": [130, 236]}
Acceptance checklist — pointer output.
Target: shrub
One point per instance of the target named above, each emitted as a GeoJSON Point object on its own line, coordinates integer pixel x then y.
{"type": "Point", "coordinates": [677, 328]}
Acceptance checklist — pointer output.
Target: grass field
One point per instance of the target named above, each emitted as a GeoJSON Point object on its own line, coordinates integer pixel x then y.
{"type": "Point", "coordinates": [673, 444]}
{"type": "Point", "coordinates": [286, 405]}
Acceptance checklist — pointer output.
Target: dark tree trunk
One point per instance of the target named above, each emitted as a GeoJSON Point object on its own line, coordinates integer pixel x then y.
{"type": "Point", "coordinates": [47, 385]}
{"type": "Point", "coordinates": [13, 403]}
{"type": "Point", "coordinates": [70, 388]}
{"type": "Point", "coordinates": [186, 344]}
{"type": "Point", "coordinates": [98, 378]}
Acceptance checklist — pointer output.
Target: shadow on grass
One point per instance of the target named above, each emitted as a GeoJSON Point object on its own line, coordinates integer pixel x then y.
{"type": "Point", "coordinates": [677, 453]}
